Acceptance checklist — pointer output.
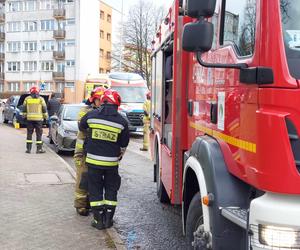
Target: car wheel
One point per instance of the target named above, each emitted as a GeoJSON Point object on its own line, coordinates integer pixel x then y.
{"type": "Point", "coordinates": [4, 120]}
{"type": "Point", "coordinates": [14, 120]}
{"type": "Point", "coordinates": [57, 150]}
{"type": "Point", "coordinates": [50, 140]}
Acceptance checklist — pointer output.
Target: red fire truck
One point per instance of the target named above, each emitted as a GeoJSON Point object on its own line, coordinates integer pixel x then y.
{"type": "Point", "coordinates": [225, 128]}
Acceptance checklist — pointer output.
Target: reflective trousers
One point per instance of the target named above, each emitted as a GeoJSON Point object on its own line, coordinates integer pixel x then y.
{"type": "Point", "coordinates": [146, 134]}
{"type": "Point", "coordinates": [38, 127]}
{"type": "Point", "coordinates": [103, 186]}
{"type": "Point", "coordinates": [81, 193]}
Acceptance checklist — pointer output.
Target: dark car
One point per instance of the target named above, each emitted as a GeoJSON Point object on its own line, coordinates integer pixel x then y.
{"type": "Point", "coordinates": [64, 127]}
{"type": "Point", "coordinates": [14, 107]}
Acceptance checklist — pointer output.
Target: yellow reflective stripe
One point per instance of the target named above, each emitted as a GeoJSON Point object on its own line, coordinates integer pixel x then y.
{"type": "Point", "coordinates": [102, 163]}
{"type": "Point", "coordinates": [29, 141]}
{"type": "Point", "coordinates": [33, 100]}
{"type": "Point", "coordinates": [97, 203]}
{"type": "Point", "coordinates": [35, 115]}
{"type": "Point", "coordinates": [79, 145]}
{"type": "Point", "coordinates": [108, 128]}
{"type": "Point", "coordinates": [39, 142]}
{"type": "Point", "coordinates": [110, 203]}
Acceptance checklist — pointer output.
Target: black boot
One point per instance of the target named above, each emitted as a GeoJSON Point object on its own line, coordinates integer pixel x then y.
{"type": "Point", "coordinates": [28, 148]}
{"type": "Point", "coordinates": [109, 214]}
{"type": "Point", "coordinates": [98, 221]}
{"type": "Point", "coordinates": [39, 149]}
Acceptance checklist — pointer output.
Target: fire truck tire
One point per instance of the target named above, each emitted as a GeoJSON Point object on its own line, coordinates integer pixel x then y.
{"type": "Point", "coordinates": [194, 222]}
{"type": "Point", "coordinates": [160, 189]}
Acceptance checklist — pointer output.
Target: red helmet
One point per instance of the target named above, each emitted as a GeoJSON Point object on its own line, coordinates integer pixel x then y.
{"type": "Point", "coordinates": [148, 95]}
{"type": "Point", "coordinates": [111, 96]}
{"type": "Point", "coordinates": [34, 90]}
{"type": "Point", "coordinates": [96, 94]}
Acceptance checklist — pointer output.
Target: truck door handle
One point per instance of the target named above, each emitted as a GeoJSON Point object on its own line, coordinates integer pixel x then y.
{"type": "Point", "coordinates": [190, 107]}
{"type": "Point", "coordinates": [214, 113]}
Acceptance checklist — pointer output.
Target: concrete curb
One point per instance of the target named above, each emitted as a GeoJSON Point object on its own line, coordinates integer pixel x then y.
{"type": "Point", "coordinates": [112, 232]}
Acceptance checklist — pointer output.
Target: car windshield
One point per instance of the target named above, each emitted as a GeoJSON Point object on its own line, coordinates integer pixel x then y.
{"type": "Point", "coordinates": [290, 17]}
{"type": "Point", "coordinates": [71, 113]}
{"type": "Point", "coordinates": [132, 94]}
{"type": "Point", "coordinates": [125, 76]}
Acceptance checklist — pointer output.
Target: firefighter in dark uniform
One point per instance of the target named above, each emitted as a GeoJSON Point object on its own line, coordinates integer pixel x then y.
{"type": "Point", "coordinates": [81, 202]}
{"type": "Point", "coordinates": [35, 112]}
{"type": "Point", "coordinates": [107, 139]}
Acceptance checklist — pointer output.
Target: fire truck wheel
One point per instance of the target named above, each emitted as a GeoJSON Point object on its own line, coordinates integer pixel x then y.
{"type": "Point", "coordinates": [160, 189]}
{"type": "Point", "coordinates": [197, 238]}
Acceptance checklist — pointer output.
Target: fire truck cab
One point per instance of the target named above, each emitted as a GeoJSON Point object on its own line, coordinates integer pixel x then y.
{"type": "Point", "coordinates": [225, 125]}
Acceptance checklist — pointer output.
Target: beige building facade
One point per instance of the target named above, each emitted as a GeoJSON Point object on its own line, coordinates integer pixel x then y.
{"type": "Point", "coordinates": [105, 38]}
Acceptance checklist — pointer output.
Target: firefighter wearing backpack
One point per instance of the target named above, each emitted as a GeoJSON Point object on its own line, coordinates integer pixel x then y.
{"type": "Point", "coordinates": [81, 202]}
{"type": "Point", "coordinates": [35, 111]}
{"type": "Point", "coordinates": [107, 139]}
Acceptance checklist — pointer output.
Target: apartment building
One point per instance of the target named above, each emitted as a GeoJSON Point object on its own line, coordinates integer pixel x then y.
{"type": "Point", "coordinates": [50, 43]}
{"type": "Point", "coordinates": [105, 38]}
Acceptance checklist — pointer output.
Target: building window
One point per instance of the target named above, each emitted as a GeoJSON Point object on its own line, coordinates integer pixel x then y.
{"type": "Point", "coordinates": [30, 46]}
{"type": "Point", "coordinates": [15, 6]}
{"type": "Point", "coordinates": [46, 86]}
{"type": "Point", "coordinates": [70, 63]}
{"type": "Point", "coordinates": [47, 66]}
{"type": "Point", "coordinates": [13, 46]}
{"type": "Point", "coordinates": [47, 25]}
{"type": "Point", "coordinates": [60, 86]}
{"type": "Point", "coordinates": [30, 5]}
{"type": "Point", "coordinates": [108, 55]}
{"type": "Point", "coordinates": [2, 28]}
{"type": "Point", "coordinates": [28, 85]}
{"type": "Point", "coordinates": [14, 26]}
{"type": "Point", "coordinates": [61, 67]}
{"type": "Point", "coordinates": [14, 86]}
{"type": "Point", "coordinates": [239, 26]}
{"type": "Point", "coordinates": [107, 71]}
{"type": "Point", "coordinates": [70, 21]}
{"type": "Point", "coordinates": [102, 14]}
{"type": "Point", "coordinates": [46, 4]}
{"type": "Point", "coordinates": [108, 18]}
{"type": "Point", "coordinates": [1, 87]}
{"type": "Point", "coordinates": [30, 66]}
{"type": "Point", "coordinates": [70, 85]}
{"type": "Point", "coordinates": [13, 66]}
{"type": "Point", "coordinates": [47, 45]}
{"type": "Point", "coordinates": [2, 49]}
{"type": "Point", "coordinates": [101, 70]}
{"type": "Point", "coordinates": [30, 26]}
{"type": "Point", "coordinates": [101, 34]}
{"type": "Point", "coordinates": [69, 42]}
{"type": "Point", "coordinates": [108, 36]}
{"type": "Point", "coordinates": [101, 52]}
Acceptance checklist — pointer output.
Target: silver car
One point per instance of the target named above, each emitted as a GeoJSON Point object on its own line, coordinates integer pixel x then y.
{"type": "Point", "coordinates": [64, 127]}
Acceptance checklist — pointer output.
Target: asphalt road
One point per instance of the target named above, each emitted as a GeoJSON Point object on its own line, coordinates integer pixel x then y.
{"type": "Point", "coordinates": [141, 220]}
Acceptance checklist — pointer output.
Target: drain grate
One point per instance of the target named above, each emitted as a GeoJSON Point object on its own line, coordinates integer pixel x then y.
{"type": "Point", "coordinates": [42, 178]}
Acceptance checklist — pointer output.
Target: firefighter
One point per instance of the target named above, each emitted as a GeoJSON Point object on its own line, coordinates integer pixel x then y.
{"type": "Point", "coordinates": [35, 111]}
{"type": "Point", "coordinates": [146, 121]}
{"type": "Point", "coordinates": [107, 139]}
{"type": "Point", "coordinates": [81, 202]}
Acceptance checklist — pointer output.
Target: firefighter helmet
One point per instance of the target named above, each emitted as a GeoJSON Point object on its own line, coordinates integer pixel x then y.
{"type": "Point", "coordinates": [34, 90]}
{"type": "Point", "coordinates": [96, 94]}
{"type": "Point", "coordinates": [111, 96]}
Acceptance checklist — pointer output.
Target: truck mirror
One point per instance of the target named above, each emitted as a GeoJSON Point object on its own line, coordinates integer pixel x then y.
{"type": "Point", "coordinates": [201, 8]}
{"type": "Point", "coordinates": [198, 37]}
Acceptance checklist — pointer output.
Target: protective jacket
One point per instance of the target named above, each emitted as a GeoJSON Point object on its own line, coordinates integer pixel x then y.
{"type": "Point", "coordinates": [146, 108]}
{"type": "Point", "coordinates": [35, 108]}
{"type": "Point", "coordinates": [107, 138]}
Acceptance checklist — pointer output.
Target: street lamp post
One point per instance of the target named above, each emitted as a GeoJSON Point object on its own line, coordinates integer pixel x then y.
{"type": "Point", "coordinates": [121, 39]}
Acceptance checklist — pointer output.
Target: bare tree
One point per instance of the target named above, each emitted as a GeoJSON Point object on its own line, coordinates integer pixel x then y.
{"type": "Point", "coordinates": [138, 32]}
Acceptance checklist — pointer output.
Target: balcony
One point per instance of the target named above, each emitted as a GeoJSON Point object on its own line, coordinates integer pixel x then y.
{"type": "Point", "coordinates": [59, 55]}
{"type": "Point", "coordinates": [59, 34]}
{"type": "Point", "coordinates": [2, 36]}
{"type": "Point", "coordinates": [58, 76]}
{"type": "Point", "coordinates": [59, 13]}
{"type": "Point", "coordinates": [2, 57]}
{"type": "Point", "coordinates": [2, 17]}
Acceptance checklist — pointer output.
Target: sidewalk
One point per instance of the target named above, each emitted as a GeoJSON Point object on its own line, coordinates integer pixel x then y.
{"type": "Point", "coordinates": [36, 192]}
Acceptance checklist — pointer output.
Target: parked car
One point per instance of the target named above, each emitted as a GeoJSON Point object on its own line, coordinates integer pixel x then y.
{"type": "Point", "coordinates": [64, 127]}
{"type": "Point", "coordinates": [13, 109]}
